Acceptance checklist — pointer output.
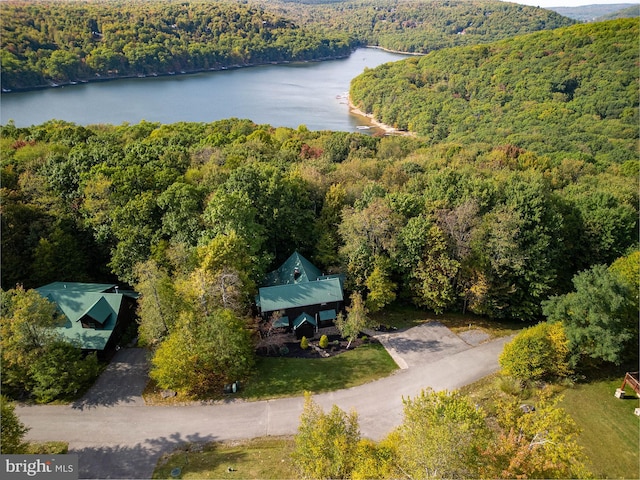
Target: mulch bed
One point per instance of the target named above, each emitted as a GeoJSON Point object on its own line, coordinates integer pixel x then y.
{"type": "Point", "coordinates": [337, 345]}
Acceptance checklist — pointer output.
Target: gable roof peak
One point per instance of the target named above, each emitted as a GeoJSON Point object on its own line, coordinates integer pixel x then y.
{"type": "Point", "coordinates": [295, 269]}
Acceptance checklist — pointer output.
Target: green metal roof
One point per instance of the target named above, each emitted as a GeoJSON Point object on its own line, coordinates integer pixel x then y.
{"type": "Point", "coordinates": [327, 315]}
{"type": "Point", "coordinates": [296, 269]}
{"type": "Point", "coordinates": [99, 311]}
{"type": "Point", "coordinates": [281, 297]}
{"type": "Point", "coordinates": [77, 287]}
{"type": "Point", "coordinates": [77, 300]}
{"type": "Point", "coordinates": [305, 317]}
{"type": "Point", "coordinates": [339, 276]}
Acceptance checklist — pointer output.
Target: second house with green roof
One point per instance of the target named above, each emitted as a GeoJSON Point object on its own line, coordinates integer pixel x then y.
{"type": "Point", "coordinates": [96, 313]}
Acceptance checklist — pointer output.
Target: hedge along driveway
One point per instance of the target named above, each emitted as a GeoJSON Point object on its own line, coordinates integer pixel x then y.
{"type": "Point", "coordinates": [126, 440]}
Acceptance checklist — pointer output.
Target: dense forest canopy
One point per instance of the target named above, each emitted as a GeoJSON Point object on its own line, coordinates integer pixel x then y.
{"type": "Point", "coordinates": [568, 92]}
{"type": "Point", "coordinates": [524, 172]}
{"type": "Point", "coordinates": [494, 229]}
{"type": "Point", "coordinates": [421, 26]}
{"type": "Point", "coordinates": [44, 44]}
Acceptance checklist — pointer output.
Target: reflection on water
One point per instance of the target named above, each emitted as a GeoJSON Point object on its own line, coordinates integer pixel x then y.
{"type": "Point", "coordinates": [288, 95]}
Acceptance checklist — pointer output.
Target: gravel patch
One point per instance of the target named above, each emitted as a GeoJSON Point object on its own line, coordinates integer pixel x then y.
{"type": "Point", "coordinates": [474, 337]}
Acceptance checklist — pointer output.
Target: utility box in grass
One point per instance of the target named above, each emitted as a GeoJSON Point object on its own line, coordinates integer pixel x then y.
{"type": "Point", "coordinates": [232, 387]}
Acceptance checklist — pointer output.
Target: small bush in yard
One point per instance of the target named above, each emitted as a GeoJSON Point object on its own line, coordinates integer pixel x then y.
{"type": "Point", "coordinates": [304, 343]}
{"type": "Point", "coordinates": [324, 341]}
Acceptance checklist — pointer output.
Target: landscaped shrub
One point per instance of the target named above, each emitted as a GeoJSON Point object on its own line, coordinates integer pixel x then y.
{"type": "Point", "coordinates": [304, 343]}
{"type": "Point", "coordinates": [537, 353]}
{"type": "Point", "coordinates": [324, 341]}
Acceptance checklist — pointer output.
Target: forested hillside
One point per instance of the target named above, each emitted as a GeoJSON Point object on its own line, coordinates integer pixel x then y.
{"type": "Point", "coordinates": [568, 93]}
{"type": "Point", "coordinates": [48, 42]}
{"type": "Point", "coordinates": [43, 42]}
{"type": "Point", "coordinates": [598, 12]}
{"type": "Point", "coordinates": [523, 173]}
{"type": "Point", "coordinates": [423, 25]}
{"type": "Point", "coordinates": [630, 12]}
{"type": "Point", "coordinates": [490, 228]}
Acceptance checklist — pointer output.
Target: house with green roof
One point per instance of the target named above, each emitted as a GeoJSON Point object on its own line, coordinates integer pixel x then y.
{"type": "Point", "coordinates": [305, 297]}
{"type": "Point", "coordinates": [96, 313]}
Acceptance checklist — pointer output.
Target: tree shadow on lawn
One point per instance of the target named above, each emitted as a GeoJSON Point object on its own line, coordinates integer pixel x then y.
{"type": "Point", "coordinates": [135, 462]}
{"type": "Point", "coordinates": [606, 371]}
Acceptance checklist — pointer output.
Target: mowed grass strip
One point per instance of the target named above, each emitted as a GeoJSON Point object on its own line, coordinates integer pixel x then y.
{"type": "Point", "coordinates": [610, 430]}
{"type": "Point", "coordinates": [283, 377]}
{"type": "Point", "coordinates": [259, 458]}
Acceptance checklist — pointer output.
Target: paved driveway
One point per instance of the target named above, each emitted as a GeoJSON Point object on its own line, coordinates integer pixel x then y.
{"type": "Point", "coordinates": [123, 438]}
{"type": "Point", "coordinates": [422, 344]}
{"type": "Point", "coordinates": [122, 382]}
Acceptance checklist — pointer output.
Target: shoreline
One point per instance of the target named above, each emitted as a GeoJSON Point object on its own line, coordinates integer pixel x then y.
{"type": "Point", "coordinates": [387, 129]}
{"type": "Point", "coordinates": [413, 54]}
{"type": "Point", "coordinates": [219, 68]}
{"type": "Point", "coordinates": [112, 78]}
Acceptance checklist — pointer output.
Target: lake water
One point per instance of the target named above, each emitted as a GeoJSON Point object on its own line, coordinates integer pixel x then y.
{"type": "Point", "coordinates": [281, 95]}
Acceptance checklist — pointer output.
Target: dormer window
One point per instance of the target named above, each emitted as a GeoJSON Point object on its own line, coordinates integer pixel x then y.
{"type": "Point", "coordinates": [97, 316]}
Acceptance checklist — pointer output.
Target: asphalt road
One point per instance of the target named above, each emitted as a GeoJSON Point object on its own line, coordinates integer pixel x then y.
{"type": "Point", "coordinates": [117, 436]}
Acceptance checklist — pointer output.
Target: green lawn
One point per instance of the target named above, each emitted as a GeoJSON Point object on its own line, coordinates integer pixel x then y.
{"type": "Point", "coordinates": [259, 458]}
{"type": "Point", "coordinates": [47, 448]}
{"type": "Point", "coordinates": [281, 377]}
{"type": "Point", "coordinates": [610, 431]}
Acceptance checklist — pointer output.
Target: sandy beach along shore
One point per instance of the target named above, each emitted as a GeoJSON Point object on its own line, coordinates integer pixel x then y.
{"type": "Point", "coordinates": [382, 126]}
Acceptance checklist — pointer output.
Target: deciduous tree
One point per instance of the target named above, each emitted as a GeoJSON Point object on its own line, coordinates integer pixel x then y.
{"type": "Point", "coordinates": [537, 353]}
{"type": "Point", "coordinates": [271, 337]}
{"type": "Point", "coordinates": [26, 330]}
{"type": "Point", "coordinates": [442, 435]}
{"type": "Point", "coordinates": [538, 444]}
{"type": "Point", "coordinates": [203, 353]}
{"type": "Point", "coordinates": [11, 428]}
{"type": "Point", "coordinates": [326, 443]}
{"type": "Point", "coordinates": [36, 360]}
{"type": "Point", "coordinates": [381, 290]}
{"type": "Point", "coordinates": [62, 372]}
{"type": "Point", "coordinates": [158, 304]}
{"type": "Point", "coordinates": [355, 320]}
{"type": "Point", "coordinates": [428, 270]}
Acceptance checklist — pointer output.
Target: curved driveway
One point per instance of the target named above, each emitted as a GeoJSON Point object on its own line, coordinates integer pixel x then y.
{"type": "Point", "coordinates": [124, 438]}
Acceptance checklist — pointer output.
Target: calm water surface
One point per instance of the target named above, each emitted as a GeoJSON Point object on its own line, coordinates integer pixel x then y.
{"type": "Point", "coordinates": [280, 95]}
